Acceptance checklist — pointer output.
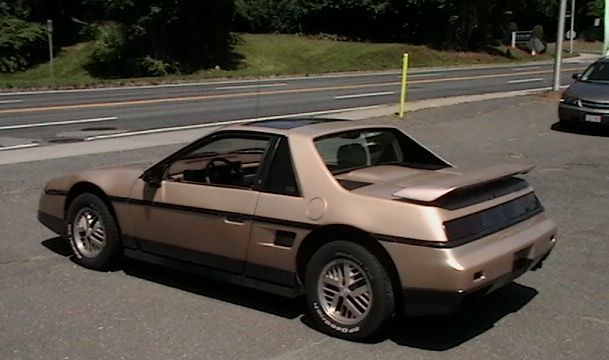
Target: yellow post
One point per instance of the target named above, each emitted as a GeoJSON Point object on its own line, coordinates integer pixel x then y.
{"type": "Point", "coordinates": [403, 94]}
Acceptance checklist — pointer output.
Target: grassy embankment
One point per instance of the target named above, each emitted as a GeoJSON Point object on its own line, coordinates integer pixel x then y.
{"type": "Point", "coordinates": [268, 55]}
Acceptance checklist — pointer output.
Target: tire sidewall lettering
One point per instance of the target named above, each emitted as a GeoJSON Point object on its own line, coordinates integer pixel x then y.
{"type": "Point", "coordinates": [73, 243]}
{"type": "Point", "coordinates": [355, 259]}
{"type": "Point", "coordinates": [331, 324]}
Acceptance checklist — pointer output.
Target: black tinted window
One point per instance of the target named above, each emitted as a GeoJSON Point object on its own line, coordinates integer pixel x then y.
{"type": "Point", "coordinates": [597, 72]}
{"type": "Point", "coordinates": [281, 178]}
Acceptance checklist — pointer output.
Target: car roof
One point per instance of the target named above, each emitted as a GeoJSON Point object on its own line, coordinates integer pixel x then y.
{"type": "Point", "coordinates": [308, 127]}
{"type": "Point", "coordinates": [288, 124]}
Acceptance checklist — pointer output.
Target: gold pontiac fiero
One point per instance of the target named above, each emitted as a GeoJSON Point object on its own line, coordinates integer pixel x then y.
{"type": "Point", "coordinates": [362, 219]}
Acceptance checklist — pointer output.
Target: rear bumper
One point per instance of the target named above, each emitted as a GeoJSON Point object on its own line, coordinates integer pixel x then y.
{"type": "Point", "coordinates": [438, 279]}
{"type": "Point", "coordinates": [430, 302]}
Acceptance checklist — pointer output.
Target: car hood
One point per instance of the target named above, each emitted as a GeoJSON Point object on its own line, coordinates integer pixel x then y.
{"type": "Point", "coordinates": [397, 182]}
{"type": "Point", "coordinates": [123, 172]}
{"type": "Point", "coordinates": [598, 92]}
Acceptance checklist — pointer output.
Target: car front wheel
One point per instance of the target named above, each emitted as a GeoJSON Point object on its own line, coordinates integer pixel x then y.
{"type": "Point", "coordinates": [349, 293]}
{"type": "Point", "coordinates": [92, 232]}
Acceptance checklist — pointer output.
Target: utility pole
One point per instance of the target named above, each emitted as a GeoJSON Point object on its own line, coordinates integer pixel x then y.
{"type": "Point", "coordinates": [50, 36]}
{"type": "Point", "coordinates": [559, 40]}
{"type": "Point", "coordinates": [606, 39]}
{"type": "Point", "coordinates": [572, 32]}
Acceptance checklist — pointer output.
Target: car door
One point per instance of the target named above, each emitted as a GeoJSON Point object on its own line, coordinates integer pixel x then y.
{"type": "Point", "coordinates": [277, 229]}
{"type": "Point", "coordinates": [202, 209]}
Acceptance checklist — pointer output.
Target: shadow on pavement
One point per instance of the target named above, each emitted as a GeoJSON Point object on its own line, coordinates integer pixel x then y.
{"type": "Point", "coordinates": [442, 333]}
{"type": "Point", "coordinates": [58, 245]}
{"type": "Point", "coordinates": [582, 129]}
{"type": "Point", "coordinates": [437, 333]}
{"type": "Point", "coordinates": [234, 294]}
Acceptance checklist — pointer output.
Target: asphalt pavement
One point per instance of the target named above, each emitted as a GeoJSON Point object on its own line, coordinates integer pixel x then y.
{"type": "Point", "coordinates": [49, 117]}
{"type": "Point", "coordinates": [52, 309]}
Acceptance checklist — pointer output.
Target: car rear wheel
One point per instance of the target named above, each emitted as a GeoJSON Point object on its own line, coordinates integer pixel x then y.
{"type": "Point", "coordinates": [92, 232]}
{"type": "Point", "coordinates": [349, 293]}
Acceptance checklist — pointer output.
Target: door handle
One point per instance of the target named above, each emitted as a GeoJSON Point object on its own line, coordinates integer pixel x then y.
{"type": "Point", "coordinates": [234, 219]}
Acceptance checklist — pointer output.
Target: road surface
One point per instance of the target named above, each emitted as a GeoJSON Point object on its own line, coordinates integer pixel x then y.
{"type": "Point", "coordinates": [52, 309]}
{"type": "Point", "coordinates": [42, 118]}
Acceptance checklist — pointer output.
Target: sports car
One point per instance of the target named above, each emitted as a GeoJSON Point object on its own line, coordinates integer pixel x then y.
{"type": "Point", "coordinates": [361, 219]}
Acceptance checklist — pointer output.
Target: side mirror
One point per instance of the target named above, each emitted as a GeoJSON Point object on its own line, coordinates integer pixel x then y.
{"type": "Point", "coordinates": [577, 76]}
{"type": "Point", "coordinates": [153, 177]}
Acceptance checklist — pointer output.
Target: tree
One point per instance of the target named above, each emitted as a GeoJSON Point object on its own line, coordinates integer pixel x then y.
{"type": "Point", "coordinates": [147, 38]}
{"type": "Point", "coordinates": [22, 43]}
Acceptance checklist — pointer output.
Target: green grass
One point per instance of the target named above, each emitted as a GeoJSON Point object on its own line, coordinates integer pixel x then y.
{"type": "Point", "coordinates": [269, 55]}
{"type": "Point", "coordinates": [68, 68]}
{"type": "Point", "coordinates": [288, 54]}
{"type": "Point", "coordinates": [593, 47]}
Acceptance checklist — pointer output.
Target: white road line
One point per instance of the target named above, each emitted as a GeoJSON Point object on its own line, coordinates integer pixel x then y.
{"type": "Point", "coordinates": [221, 123]}
{"type": "Point", "coordinates": [249, 86]}
{"type": "Point", "coordinates": [364, 95]}
{"type": "Point", "coordinates": [536, 90]}
{"type": "Point", "coordinates": [524, 80]}
{"type": "Point", "coordinates": [55, 123]}
{"type": "Point", "coordinates": [220, 82]}
{"type": "Point", "coordinates": [10, 101]}
{"type": "Point", "coordinates": [15, 147]}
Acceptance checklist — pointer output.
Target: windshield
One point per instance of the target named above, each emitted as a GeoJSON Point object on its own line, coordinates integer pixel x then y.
{"type": "Point", "coordinates": [359, 149]}
{"type": "Point", "coordinates": [597, 72]}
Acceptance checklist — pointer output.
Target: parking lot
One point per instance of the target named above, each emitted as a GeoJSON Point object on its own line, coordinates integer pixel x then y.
{"type": "Point", "coordinates": [52, 309]}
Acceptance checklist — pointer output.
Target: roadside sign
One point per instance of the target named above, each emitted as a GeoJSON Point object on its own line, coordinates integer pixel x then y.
{"type": "Point", "coordinates": [570, 35]}
{"type": "Point", "coordinates": [521, 37]}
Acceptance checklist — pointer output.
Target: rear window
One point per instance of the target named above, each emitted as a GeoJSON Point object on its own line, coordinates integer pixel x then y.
{"type": "Point", "coordinates": [357, 149]}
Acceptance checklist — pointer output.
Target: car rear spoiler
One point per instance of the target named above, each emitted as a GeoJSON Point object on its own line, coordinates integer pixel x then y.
{"type": "Point", "coordinates": [433, 191]}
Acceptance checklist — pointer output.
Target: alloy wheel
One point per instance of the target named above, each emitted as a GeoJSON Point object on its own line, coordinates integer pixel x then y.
{"type": "Point", "coordinates": [88, 232]}
{"type": "Point", "coordinates": [344, 291]}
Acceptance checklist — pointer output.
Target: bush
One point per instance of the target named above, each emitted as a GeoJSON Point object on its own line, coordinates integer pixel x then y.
{"type": "Point", "coordinates": [148, 66]}
{"type": "Point", "coordinates": [538, 31]}
{"type": "Point", "coordinates": [165, 38]}
{"type": "Point", "coordinates": [592, 34]}
{"type": "Point", "coordinates": [114, 57]}
{"type": "Point", "coordinates": [110, 45]}
{"type": "Point", "coordinates": [21, 44]}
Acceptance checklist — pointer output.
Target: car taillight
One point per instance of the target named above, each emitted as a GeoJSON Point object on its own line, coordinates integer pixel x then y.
{"type": "Point", "coordinates": [486, 222]}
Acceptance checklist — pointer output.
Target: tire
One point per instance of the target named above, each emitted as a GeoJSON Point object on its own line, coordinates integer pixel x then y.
{"type": "Point", "coordinates": [92, 232]}
{"type": "Point", "coordinates": [334, 308]}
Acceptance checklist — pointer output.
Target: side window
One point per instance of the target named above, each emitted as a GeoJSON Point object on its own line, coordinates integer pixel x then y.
{"type": "Point", "coordinates": [230, 161]}
{"type": "Point", "coordinates": [281, 178]}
